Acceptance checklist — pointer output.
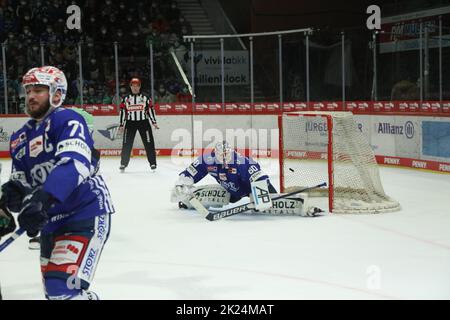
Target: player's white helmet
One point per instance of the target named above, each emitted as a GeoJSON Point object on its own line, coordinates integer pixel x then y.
{"type": "Point", "coordinates": [223, 153]}
{"type": "Point", "coordinates": [49, 76]}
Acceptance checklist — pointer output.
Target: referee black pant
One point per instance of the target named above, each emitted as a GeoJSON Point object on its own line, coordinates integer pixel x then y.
{"type": "Point", "coordinates": [129, 133]}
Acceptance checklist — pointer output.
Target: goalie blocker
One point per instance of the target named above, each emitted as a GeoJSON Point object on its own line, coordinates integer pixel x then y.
{"type": "Point", "coordinates": [215, 196]}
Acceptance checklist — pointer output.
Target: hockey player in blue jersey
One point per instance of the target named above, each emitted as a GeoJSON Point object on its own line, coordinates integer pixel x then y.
{"type": "Point", "coordinates": [34, 243]}
{"type": "Point", "coordinates": [54, 189]}
{"type": "Point", "coordinates": [234, 172]}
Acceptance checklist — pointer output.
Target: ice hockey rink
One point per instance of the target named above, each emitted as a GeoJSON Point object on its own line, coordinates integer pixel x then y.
{"type": "Point", "coordinates": [157, 251]}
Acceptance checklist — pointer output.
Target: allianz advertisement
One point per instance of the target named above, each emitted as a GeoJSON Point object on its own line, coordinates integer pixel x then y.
{"type": "Point", "coordinates": [236, 68]}
{"type": "Point", "coordinates": [426, 138]}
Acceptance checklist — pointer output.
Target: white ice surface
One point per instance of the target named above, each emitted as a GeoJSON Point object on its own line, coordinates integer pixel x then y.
{"type": "Point", "coordinates": [157, 251]}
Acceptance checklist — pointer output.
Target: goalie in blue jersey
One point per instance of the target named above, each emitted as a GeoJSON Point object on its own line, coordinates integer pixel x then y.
{"type": "Point", "coordinates": [234, 172]}
{"type": "Point", "coordinates": [238, 177]}
{"type": "Point", "coordinates": [54, 187]}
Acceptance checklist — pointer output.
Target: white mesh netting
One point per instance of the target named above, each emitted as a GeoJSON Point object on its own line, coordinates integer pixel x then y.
{"type": "Point", "coordinates": [356, 181]}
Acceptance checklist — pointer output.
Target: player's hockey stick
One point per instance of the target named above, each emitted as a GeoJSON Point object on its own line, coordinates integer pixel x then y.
{"type": "Point", "coordinates": [216, 215]}
{"type": "Point", "coordinates": [14, 236]}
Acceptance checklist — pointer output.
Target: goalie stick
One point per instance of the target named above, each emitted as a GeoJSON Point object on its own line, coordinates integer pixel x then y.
{"type": "Point", "coordinates": [216, 215]}
{"type": "Point", "coordinates": [14, 236]}
{"type": "Point", "coordinates": [197, 205]}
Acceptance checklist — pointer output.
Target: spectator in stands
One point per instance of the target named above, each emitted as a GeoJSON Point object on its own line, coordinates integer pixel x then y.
{"type": "Point", "coordinates": [49, 36]}
{"type": "Point", "coordinates": [121, 38]}
{"type": "Point", "coordinates": [25, 23]}
{"type": "Point", "coordinates": [56, 11]}
{"type": "Point", "coordinates": [122, 9]}
{"type": "Point", "coordinates": [164, 96]}
{"type": "Point", "coordinates": [90, 96]}
{"type": "Point", "coordinates": [23, 12]}
{"type": "Point", "coordinates": [154, 10]}
{"type": "Point", "coordinates": [155, 39]}
{"type": "Point", "coordinates": [180, 51]}
{"type": "Point", "coordinates": [145, 26]}
{"type": "Point", "coordinates": [108, 8]}
{"type": "Point", "coordinates": [13, 100]}
{"type": "Point", "coordinates": [33, 54]}
{"type": "Point", "coordinates": [21, 68]}
{"type": "Point", "coordinates": [85, 96]}
{"type": "Point", "coordinates": [177, 27]}
{"type": "Point", "coordinates": [112, 98]}
{"type": "Point", "coordinates": [160, 24]}
{"type": "Point", "coordinates": [184, 32]}
{"type": "Point", "coordinates": [174, 86]}
{"type": "Point", "coordinates": [27, 37]}
{"type": "Point", "coordinates": [184, 95]}
{"type": "Point", "coordinates": [137, 40]}
{"type": "Point", "coordinates": [94, 95]}
{"type": "Point", "coordinates": [91, 25]}
{"type": "Point", "coordinates": [93, 70]}
{"type": "Point", "coordinates": [173, 13]}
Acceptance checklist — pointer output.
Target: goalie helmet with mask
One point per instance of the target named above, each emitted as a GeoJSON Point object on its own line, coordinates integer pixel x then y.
{"type": "Point", "coordinates": [223, 153]}
{"type": "Point", "coordinates": [48, 76]}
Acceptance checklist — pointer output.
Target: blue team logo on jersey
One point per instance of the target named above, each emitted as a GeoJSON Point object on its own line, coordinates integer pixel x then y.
{"type": "Point", "coordinates": [230, 186]}
{"type": "Point", "coordinates": [21, 153]}
{"type": "Point", "coordinates": [111, 132]}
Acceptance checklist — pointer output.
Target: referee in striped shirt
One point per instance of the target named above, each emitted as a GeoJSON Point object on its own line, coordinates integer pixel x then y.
{"type": "Point", "coordinates": [135, 111]}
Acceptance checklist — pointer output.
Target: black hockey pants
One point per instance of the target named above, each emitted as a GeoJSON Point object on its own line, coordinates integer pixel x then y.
{"type": "Point", "coordinates": [129, 133]}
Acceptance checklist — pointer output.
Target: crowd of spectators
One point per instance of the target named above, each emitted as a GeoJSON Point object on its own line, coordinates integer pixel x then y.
{"type": "Point", "coordinates": [29, 27]}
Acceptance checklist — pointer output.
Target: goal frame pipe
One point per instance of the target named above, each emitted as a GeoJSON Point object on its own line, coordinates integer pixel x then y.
{"type": "Point", "coordinates": [329, 120]}
{"type": "Point", "coordinates": [330, 162]}
{"type": "Point", "coordinates": [281, 151]}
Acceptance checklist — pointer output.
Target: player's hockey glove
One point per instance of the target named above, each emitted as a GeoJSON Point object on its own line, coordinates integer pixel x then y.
{"type": "Point", "coordinates": [95, 160]}
{"type": "Point", "coordinates": [7, 224]}
{"type": "Point", "coordinates": [33, 216]}
{"type": "Point", "coordinates": [14, 191]}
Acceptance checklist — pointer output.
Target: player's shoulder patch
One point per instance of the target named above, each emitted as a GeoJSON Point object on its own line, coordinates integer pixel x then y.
{"type": "Point", "coordinates": [191, 170]}
{"type": "Point", "coordinates": [17, 139]}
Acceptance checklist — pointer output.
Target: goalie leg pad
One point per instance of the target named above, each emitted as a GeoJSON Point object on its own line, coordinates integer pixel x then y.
{"type": "Point", "coordinates": [210, 195]}
{"type": "Point", "coordinates": [260, 195]}
{"type": "Point", "coordinates": [296, 205]}
{"type": "Point", "coordinates": [286, 206]}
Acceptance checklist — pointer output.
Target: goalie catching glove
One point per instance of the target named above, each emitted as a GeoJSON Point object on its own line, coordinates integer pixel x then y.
{"type": "Point", "coordinates": [182, 191]}
{"type": "Point", "coordinates": [208, 195]}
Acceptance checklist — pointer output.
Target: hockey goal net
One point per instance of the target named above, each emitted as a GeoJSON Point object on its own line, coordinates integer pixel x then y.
{"type": "Point", "coordinates": [318, 147]}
